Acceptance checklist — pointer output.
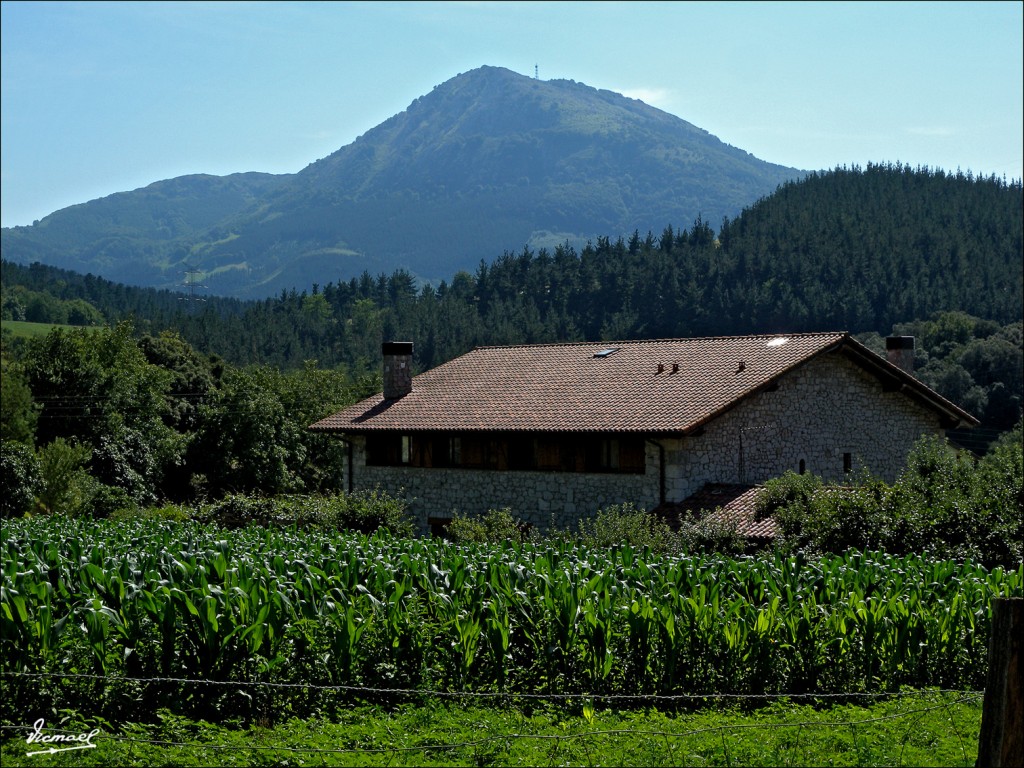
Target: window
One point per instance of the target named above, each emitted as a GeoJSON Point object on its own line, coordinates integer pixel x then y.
{"type": "Point", "coordinates": [803, 466]}
{"type": "Point", "coordinates": [411, 450]}
{"type": "Point", "coordinates": [609, 454]}
{"type": "Point", "coordinates": [473, 453]}
{"type": "Point", "coordinates": [632, 455]}
{"type": "Point", "coordinates": [847, 463]}
{"type": "Point", "coordinates": [508, 451]}
{"type": "Point", "coordinates": [520, 452]}
{"type": "Point", "coordinates": [615, 454]}
{"type": "Point", "coordinates": [387, 450]}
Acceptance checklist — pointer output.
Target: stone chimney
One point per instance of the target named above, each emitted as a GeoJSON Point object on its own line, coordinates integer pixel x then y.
{"type": "Point", "coordinates": [900, 351]}
{"type": "Point", "coordinates": [397, 369]}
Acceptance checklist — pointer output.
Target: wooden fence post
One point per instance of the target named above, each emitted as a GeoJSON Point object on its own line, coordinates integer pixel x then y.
{"type": "Point", "coordinates": [1001, 741]}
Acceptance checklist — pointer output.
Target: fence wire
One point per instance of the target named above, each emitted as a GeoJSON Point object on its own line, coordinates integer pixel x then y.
{"type": "Point", "coordinates": [510, 695]}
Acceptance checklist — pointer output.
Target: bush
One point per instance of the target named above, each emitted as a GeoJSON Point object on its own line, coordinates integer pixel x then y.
{"type": "Point", "coordinates": [612, 526]}
{"type": "Point", "coordinates": [999, 496]}
{"type": "Point", "coordinates": [626, 524]}
{"type": "Point", "coordinates": [20, 479]}
{"type": "Point", "coordinates": [943, 503]}
{"type": "Point", "coordinates": [789, 490]}
{"type": "Point", "coordinates": [846, 518]}
{"type": "Point", "coordinates": [110, 499]}
{"type": "Point", "coordinates": [948, 504]}
{"type": "Point", "coordinates": [177, 512]}
{"type": "Point", "coordinates": [710, 535]}
{"type": "Point", "coordinates": [494, 527]}
{"type": "Point", "coordinates": [788, 499]}
{"type": "Point", "coordinates": [238, 511]}
{"type": "Point", "coordinates": [984, 518]}
{"type": "Point", "coordinates": [363, 511]}
{"type": "Point", "coordinates": [65, 487]}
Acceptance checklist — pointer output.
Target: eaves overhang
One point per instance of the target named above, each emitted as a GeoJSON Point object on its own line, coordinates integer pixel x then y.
{"type": "Point", "coordinates": [895, 379]}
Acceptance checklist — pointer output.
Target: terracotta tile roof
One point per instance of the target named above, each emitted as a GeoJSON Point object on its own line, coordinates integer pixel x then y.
{"type": "Point", "coordinates": [733, 505]}
{"type": "Point", "coordinates": [658, 386]}
{"type": "Point", "coordinates": [569, 387]}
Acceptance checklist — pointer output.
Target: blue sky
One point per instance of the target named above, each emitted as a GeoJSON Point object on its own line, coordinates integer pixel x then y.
{"type": "Point", "coordinates": [99, 98]}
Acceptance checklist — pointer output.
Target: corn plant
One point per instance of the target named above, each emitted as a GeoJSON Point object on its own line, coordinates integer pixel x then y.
{"type": "Point", "coordinates": [163, 599]}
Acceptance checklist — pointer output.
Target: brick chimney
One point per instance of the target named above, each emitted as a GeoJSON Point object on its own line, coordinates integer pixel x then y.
{"type": "Point", "coordinates": [900, 351]}
{"type": "Point", "coordinates": [397, 368]}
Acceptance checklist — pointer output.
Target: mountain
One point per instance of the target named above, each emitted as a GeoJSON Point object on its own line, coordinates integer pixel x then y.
{"type": "Point", "coordinates": [128, 236]}
{"type": "Point", "coordinates": [488, 160]}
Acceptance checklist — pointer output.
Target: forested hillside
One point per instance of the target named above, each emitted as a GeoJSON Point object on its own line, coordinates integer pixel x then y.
{"type": "Point", "coordinates": [864, 250]}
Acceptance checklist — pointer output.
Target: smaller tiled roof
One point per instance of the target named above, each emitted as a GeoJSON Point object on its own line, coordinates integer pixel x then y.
{"type": "Point", "coordinates": [734, 506]}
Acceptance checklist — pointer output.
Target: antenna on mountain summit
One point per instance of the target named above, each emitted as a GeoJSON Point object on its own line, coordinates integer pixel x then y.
{"type": "Point", "coordinates": [192, 285]}
{"type": "Point", "coordinates": [536, 76]}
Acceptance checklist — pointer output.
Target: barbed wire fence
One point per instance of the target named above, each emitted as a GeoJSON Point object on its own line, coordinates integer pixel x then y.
{"type": "Point", "coordinates": [671, 738]}
{"type": "Point", "coordinates": [503, 695]}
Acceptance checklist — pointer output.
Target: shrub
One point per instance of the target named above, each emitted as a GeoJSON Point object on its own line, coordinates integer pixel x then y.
{"type": "Point", "coordinates": [788, 500]}
{"type": "Point", "coordinates": [846, 518]}
{"type": "Point", "coordinates": [999, 496]}
{"type": "Point", "coordinates": [710, 535]}
{"type": "Point", "coordinates": [110, 499]}
{"type": "Point", "coordinates": [363, 511]}
{"type": "Point", "coordinates": [943, 503]}
{"type": "Point", "coordinates": [65, 487]}
{"type": "Point", "coordinates": [946, 503]}
{"type": "Point", "coordinates": [176, 512]}
{"type": "Point", "coordinates": [238, 511]}
{"type": "Point", "coordinates": [368, 511]}
{"type": "Point", "coordinates": [494, 527]}
{"type": "Point", "coordinates": [626, 524]}
{"type": "Point", "coordinates": [20, 479]}
{"type": "Point", "coordinates": [789, 490]}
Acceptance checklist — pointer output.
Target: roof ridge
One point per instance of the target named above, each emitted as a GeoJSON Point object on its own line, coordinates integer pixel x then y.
{"type": "Point", "coordinates": [662, 340]}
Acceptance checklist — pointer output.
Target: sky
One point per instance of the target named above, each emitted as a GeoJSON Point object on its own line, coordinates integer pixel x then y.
{"type": "Point", "coordinates": [97, 97]}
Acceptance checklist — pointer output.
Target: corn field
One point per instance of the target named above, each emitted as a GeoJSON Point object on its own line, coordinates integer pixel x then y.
{"type": "Point", "coordinates": [142, 604]}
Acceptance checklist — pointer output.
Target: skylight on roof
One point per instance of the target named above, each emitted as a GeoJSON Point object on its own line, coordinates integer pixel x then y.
{"type": "Point", "coordinates": [606, 352]}
{"type": "Point", "coordinates": [778, 341]}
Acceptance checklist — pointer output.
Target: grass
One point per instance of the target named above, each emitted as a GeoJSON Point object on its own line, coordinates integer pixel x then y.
{"type": "Point", "coordinates": [24, 329]}
{"type": "Point", "coordinates": [930, 729]}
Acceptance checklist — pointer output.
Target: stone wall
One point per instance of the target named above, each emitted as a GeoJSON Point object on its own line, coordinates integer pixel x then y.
{"type": "Point", "coordinates": [820, 412]}
{"type": "Point", "coordinates": [538, 498]}
{"type": "Point", "coordinates": [826, 414]}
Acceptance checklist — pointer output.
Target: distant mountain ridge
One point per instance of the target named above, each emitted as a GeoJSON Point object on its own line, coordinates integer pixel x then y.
{"type": "Point", "coordinates": [489, 160]}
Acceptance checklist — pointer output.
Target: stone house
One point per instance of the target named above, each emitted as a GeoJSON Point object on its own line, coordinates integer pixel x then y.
{"type": "Point", "coordinates": [557, 431]}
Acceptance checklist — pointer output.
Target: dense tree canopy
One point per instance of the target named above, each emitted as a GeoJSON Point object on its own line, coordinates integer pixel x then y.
{"type": "Point", "coordinates": [853, 249]}
{"type": "Point", "coordinates": [117, 420]}
{"type": "Point", "coordinates": [185, 399]}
